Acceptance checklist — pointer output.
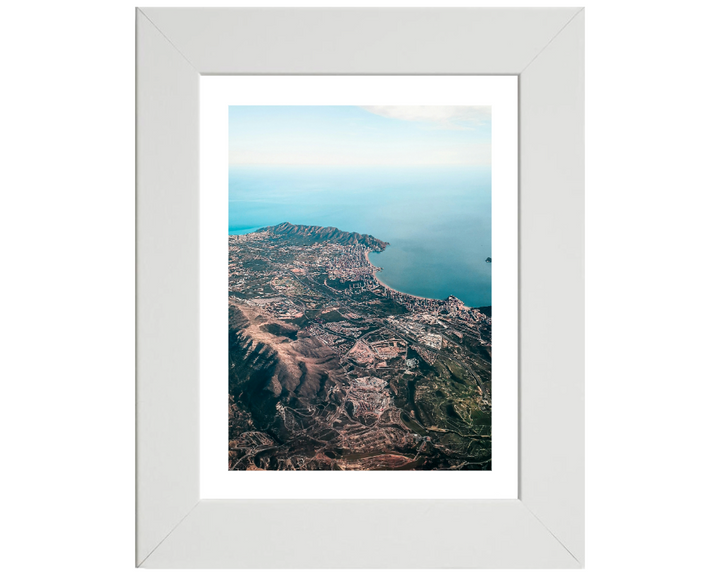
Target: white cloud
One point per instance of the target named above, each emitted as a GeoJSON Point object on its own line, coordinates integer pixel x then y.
{"type": "Point", "coordinates": [447, 117]}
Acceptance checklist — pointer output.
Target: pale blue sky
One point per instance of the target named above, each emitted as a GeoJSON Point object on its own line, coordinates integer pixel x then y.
{"type": "Point", "coordinates": [354, 135]}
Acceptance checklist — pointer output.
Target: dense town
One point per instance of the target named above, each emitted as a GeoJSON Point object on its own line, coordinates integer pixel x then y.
{"type": "Point", "coordinates": [330, 369]}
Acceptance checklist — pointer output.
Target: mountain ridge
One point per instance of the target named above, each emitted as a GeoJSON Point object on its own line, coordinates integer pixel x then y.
{"type": "Point", "coordinates": [325, 234]}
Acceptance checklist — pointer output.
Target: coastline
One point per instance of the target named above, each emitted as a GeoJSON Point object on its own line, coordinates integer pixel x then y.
{"type": "Point", "coordinates": [399, 294]}
{"type": "Point", "coordinates": [391, 289]}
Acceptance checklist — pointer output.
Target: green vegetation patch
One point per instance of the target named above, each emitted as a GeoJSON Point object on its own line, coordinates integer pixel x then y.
{"type": "Point", "coordinates": [334, 283]}
{"type": "Point", "coordinates": [387, 307]}
{"type": "Point", "coordinates": [332, 316]}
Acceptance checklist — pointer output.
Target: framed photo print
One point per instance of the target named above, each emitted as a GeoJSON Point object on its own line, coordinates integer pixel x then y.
{"type": "Point", "coordinates": [360, 288]}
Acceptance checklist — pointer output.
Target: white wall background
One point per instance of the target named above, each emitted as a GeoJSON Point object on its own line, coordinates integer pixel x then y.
{"type": "Point", "coordinates": [66, 282]}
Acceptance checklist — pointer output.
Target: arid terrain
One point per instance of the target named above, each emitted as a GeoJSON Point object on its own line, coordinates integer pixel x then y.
{"type": "Point", "coordinates": [331, 370]}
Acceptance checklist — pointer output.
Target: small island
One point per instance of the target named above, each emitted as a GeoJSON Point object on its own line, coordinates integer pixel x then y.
{"type": "Point", "coordinates": [488, 260]}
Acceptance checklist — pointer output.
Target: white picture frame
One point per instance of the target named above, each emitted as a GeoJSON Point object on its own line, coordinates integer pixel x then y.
{"type": "Point", "coordinates": [544, 527]}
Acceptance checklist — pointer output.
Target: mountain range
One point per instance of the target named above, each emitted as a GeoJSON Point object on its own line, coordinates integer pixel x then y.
{"type": "Point", "coordinates": [313, 234]}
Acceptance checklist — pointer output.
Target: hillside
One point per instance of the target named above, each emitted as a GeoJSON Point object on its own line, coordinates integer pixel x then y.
{"type": "Point", "coordinates": [301, 234]}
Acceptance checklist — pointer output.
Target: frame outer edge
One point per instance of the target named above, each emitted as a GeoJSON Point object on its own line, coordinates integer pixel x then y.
{"type": "Point", "coordinates": [167, 135]}
{"type": "Point", "coordinates": [360, 534]}
{"type": "Point", "coordinates": [552, 209]}
{"type": "Point", "coordinates": [360, 41]}
{"type": "Point", "coordinates": [167, 287]}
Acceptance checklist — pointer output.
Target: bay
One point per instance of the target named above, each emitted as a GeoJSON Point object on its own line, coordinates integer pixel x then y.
{"type": "Point", "coordinates": [437, 219]}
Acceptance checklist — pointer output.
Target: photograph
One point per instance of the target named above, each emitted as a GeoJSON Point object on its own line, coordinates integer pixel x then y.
{"type": "Point", "coordinates": [359, 288]}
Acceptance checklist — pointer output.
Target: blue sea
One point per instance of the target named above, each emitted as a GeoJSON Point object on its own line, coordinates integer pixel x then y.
{"type": "Point", "coordinates": [437, 219]}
